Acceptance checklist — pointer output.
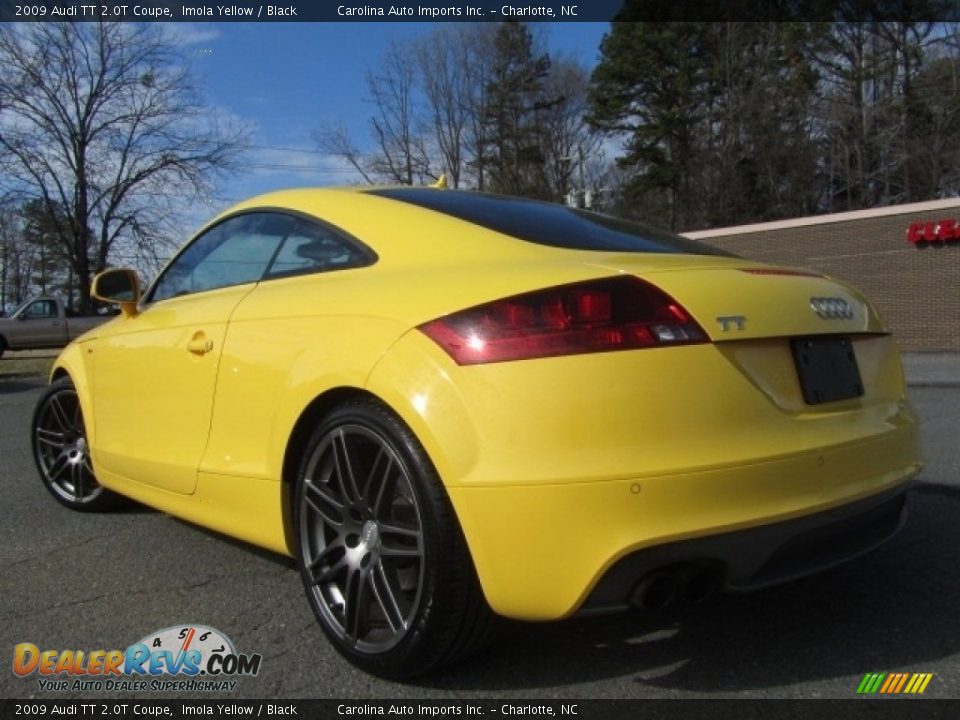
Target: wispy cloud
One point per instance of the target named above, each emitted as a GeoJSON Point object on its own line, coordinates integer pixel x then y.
{"type": "Point", "coordinates": [191, 34]}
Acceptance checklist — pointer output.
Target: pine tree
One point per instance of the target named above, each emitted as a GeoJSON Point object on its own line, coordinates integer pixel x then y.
{"type": "Point", "coordinates": [652, 85]}
{"type": "Point", "coordinates": [513, 152]}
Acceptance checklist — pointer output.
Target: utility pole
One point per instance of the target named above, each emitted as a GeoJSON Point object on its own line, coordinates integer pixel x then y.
{"type": "Point", "coordinates": [582, 190]}
{"type": "Point", "coordinates": [3, 279]}
{"type": "Point", "coordinates": [579, 194]}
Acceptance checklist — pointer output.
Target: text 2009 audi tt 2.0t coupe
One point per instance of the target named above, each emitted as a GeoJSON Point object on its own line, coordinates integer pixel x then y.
{"type": "Point", "coordinates": [448, 405]}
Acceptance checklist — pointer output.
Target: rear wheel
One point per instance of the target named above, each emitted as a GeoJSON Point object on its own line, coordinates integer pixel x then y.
{"type": "Point", "coordinates": [61, 452]}
{"type": "Point", "coordinates": [381, 554]}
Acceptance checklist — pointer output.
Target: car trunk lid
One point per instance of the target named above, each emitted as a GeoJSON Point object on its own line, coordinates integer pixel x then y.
{"type": "Point", "coordinates": [735, 299]}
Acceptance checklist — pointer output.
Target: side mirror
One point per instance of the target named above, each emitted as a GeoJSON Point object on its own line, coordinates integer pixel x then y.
{"type": "Point", "coordinates": [119, 286]}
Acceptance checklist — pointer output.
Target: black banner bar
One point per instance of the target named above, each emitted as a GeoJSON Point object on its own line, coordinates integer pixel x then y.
{"type": "Point", "coordinates": [857, 709]}
{"type": "Point", "coordinates": [478, 10]}
{"type": "Point", "coordinates": [309, 11]}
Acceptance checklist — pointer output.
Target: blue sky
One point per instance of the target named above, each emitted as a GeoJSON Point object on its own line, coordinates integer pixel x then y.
{"type": "Point", "coordinates": [283, 79]}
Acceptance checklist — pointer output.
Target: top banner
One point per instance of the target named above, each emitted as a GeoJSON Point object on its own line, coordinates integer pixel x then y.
{"type": "Point", "coordinates": [308, 11]}
{"type": "Point", "coordinates": [482, 11]}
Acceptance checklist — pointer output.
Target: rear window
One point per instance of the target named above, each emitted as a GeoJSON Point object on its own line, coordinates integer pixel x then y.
{"type": "Point", "coordinates": [547, 223]}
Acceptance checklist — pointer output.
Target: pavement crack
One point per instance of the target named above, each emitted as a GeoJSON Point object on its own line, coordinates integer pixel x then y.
{"type": "Point", "coordinates": [57, 550]}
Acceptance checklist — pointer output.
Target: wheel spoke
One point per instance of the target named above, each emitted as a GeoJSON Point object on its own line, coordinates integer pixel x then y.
{"type": "Point", "coordinates": [386, 598]}
{"type": "Point", "coordinates": [400, 546]}
{"type": "Point", "coordinates": [76, 474]}
{"type": "Point", "coordinates": [50, 437]}
{"type": "Point", "coordinates": [321, 500]}
{"type": "Point", "coordinates": [341, 457]}
{"type": "Point", "coordinates": [379, 479]}
{"type": "Point", "coordinates": [323, 576]}
{"type": "Point", "coordinates": [355, 600]}
{"type": "Point", "coordinates": [59, 415]}
{"type": "Point", "coordinates": [57, 467]}
{"type": "Point", "coordinates": [325, 553]}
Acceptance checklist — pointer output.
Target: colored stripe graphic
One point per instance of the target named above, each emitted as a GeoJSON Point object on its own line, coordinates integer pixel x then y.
{"type": "Point", "coordinates": [894, 683]}
{"type": "Point", "coordinates": [871, 683]}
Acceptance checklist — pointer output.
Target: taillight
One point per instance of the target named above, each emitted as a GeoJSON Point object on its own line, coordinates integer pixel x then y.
{"type": "Point", "coordinates": [620, 313]}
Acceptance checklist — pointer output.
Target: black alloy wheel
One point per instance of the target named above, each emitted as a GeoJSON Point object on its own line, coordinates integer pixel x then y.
{"type": "Point", "coordinates": [381, 554]}
{"type": "Point", "coordinates": [61, 452]}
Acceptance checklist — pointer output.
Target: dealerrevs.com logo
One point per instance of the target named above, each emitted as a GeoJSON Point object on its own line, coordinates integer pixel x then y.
{"type": "Point", "coordinates": [183, 658]}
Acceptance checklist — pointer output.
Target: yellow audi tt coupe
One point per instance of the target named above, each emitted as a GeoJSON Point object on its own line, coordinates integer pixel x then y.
{"type": "Point", "coordinates": [449, 406]}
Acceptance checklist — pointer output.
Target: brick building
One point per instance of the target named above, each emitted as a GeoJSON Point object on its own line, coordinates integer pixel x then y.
{"type": "Point", "coordinates": [906, 259]}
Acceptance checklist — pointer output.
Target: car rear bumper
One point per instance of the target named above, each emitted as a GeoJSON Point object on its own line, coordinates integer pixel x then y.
{"type": "Point", "coordinates": [545, 552]}
{"type": "Point", "coordinates": [753, 558]}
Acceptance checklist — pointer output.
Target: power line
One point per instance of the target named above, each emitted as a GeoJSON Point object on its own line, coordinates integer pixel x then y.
{"type": "Point", "coordinates": [279, 148]}
{"type": "Point", "coordinates": [299, 168]}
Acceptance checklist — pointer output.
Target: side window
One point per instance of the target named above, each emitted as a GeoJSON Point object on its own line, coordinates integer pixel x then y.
{"type": "Point", "coordinates": [41, 309]}
{"type": "Point", "coordinates": [311, 247]}
{"type": "Point", "coordinates": [234, 252]}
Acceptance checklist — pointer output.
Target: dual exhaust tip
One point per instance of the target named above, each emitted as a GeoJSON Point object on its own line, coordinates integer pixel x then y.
{"type": "Point", "coordinates": [693, 583]}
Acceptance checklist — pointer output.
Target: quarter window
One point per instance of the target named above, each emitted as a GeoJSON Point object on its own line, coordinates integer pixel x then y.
{"type": "Point", "coordinates": [313, 248]}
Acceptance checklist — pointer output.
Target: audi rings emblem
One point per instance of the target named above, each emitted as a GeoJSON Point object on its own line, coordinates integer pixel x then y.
{"type": "Point", "coordinates": [831, 308]}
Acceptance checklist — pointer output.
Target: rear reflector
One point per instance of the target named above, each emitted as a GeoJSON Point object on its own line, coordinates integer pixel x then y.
{"type": "Point", "coordinates": [619, 313]}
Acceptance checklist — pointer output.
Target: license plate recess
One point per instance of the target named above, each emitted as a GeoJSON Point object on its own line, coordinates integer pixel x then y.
{"type": "Point", "coordinates": [827, 368]}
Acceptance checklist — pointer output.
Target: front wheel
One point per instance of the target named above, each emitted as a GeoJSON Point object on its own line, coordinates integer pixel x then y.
{"type": "Point", "coordinates": [61, 452]}
{"type": "Point", "coordinates": [380, 551]}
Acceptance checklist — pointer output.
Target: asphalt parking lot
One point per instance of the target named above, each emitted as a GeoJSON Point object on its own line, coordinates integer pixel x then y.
{"type": "Point", "coordinates": [72, 581]}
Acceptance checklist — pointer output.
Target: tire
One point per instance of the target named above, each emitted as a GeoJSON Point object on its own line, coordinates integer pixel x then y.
{"type": "Point", "coordinates": [61, 453]}
{"type": "Point", "coordinates": [381, 554]}
{"type": "Point", "coordinates": [3, 346]}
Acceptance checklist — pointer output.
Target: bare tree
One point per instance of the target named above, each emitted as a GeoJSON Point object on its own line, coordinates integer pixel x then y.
{"type": "Point", "coordinates": [444, 60]}
{"type": "Point", "coordinates": [100, 121]}
{"type": "Point", "coordinates": [569, 144]}
{"type": "Point", "coordinates": [440, 106]}
{"type": "Point", "coordinates": [401, 156]}
{"type": "Point", "coordinates": [334, 138]}
{"type": "Point", "coordinates": [20, 259]}
{"type": "Point", "coordinates": [11, 259]}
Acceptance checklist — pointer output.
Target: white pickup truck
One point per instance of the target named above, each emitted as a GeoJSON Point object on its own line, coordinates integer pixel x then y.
{"type": "Point", "coordinates": [43, 322]}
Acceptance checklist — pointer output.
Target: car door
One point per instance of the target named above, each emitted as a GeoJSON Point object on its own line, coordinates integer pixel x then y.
{"type": "Point", "coordinates": [40, 324]}
{"type": "Point", "coordinates": [155, 372]}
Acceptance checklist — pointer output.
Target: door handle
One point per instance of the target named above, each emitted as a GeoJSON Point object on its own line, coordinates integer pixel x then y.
{"type": "Point", "coordinates": [199, 344]}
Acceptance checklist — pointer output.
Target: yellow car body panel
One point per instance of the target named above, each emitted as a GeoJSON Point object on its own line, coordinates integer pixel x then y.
{"type": "Point", "coordinates": [556, 467]}
{"type": "Point", "coordinates": [249, 509]}
{"type": "Point", "coordinates": [76, 361]}
{"type": "Point", "coordinates": [157, 431]}
{"type": "Point", "coordinates": [551, 464]}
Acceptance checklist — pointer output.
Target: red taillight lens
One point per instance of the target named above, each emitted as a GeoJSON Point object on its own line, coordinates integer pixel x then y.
{"type": "Point", "coordinates": [621, 313]}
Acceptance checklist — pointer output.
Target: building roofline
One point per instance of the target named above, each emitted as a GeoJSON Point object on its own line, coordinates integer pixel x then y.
{"type": "Point", "coordinates": [826, 219]}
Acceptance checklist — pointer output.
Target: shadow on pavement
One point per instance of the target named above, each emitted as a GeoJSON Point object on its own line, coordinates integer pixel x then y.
{"type": "Point", "coordinates": [893, 609]}
{"type": "Point", "coordinates": [20, 383]}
